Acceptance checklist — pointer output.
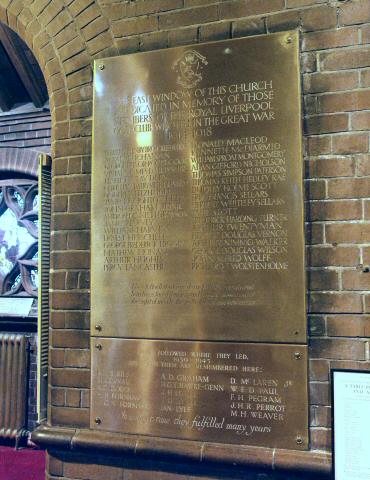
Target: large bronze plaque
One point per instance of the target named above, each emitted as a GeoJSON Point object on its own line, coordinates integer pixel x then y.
{"type": "Point", "coordinates": [253, 394]}
{"type": "Point", "coordinates": [197, 205]}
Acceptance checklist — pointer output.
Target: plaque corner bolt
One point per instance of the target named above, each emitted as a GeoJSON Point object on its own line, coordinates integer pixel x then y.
{"type": "Point", "coordinates": [363, 268]}
{"type": "Point", "coordinates": [299, 440]}
{"type": "Point", "coordinates": [97, 421]}
{"type": "Point", "coordinates": [98, 328]}
{"type": "Point", "coordinates": [289, 40]}
{"type": "Point", "coordinates": [99, 346]}
{"type": "Point", "coordinates": [101, 66]}
{"type": "Point", "coordinates": [297, 355]}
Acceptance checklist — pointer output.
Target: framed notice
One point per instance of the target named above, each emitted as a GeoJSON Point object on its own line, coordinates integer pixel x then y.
{"type": "Point", "coordinates": [351, 424]}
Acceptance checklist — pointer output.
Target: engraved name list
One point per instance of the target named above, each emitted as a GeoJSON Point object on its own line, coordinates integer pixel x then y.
{"type": "Point", "coordinates": [198, 194]}
{"type": "Point", "coordinates": [198, 286]}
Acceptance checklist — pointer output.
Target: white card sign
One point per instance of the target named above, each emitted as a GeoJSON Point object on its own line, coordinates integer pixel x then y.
{"type": "Point", "coordinates": [351, 423]}
{"type": "Point", "coordinates": [18, 306]}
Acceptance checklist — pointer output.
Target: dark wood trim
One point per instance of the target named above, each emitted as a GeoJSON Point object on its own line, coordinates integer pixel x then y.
{"type": "Point", "coordinates": [164, 449]}
{"type": "Point", "coordinates": [5, 95]}
{"type": "Point", "coordinates": [22, 65]}
{"type": "Point", "coordinates": [18, 324]}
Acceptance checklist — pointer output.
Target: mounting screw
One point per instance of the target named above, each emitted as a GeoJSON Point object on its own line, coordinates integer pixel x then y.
{"type": "Point", "coordinates": [363, 268]}
{"type": "Point", "coordinates": [98, 328]}
{"type": "Point", "coordinates": [297, 355]}
{"type": "Point", "coordinates": [101, 66]}
{"type": "Point", "coordinates": [97, 420]}
{"type": "Point", "coordinates": [296, 332]}
{"type": "Point", "coordinates": [299, 440]}
{"type": "Point", "coordinates": [289, 40]}
{"type": "Point", "coordinates": [98, 346]}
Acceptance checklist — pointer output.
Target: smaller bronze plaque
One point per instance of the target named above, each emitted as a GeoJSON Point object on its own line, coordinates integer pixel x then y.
{"type": "Point", "coordinates": [252, 394]}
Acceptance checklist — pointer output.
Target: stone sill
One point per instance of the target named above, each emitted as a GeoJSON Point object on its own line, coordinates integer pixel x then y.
{"type": "Point", "coordinates": [163, 449]}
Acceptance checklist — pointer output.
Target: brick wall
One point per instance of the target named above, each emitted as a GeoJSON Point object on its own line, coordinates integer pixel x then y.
{"type": "Point", "coordinates": [26, 131]}
{"type": "Point", "coordinates": [66, 35]}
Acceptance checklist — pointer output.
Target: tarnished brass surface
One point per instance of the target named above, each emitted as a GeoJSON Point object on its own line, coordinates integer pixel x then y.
{"type": "Point", "coordinates": [197, 205]}
{"type": "Point", "coordinates": [253, 394]}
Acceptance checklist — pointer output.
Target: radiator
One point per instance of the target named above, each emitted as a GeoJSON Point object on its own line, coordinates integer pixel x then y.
{"type": "Point", "coordinates": [13, 386]}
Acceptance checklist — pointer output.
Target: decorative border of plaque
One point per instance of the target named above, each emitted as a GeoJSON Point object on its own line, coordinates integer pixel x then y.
{"type": "Point", "coordinates": [350, 424]}
{"type": "Point", "coordinates": [197, 193]}
{"type": "Point", "coordinates": [252, 394]}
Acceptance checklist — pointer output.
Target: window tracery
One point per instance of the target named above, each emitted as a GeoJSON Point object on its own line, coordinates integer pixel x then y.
{"type": "Point", "coordinates": [18, 237]}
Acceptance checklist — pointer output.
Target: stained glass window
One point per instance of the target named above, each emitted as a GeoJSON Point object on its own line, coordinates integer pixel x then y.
{"type": "Point", "coordinates": [18, 237]}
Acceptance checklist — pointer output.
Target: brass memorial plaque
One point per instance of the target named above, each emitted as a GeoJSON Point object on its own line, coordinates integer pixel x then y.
{"type": "Point", "coordinates": [253, 394]}
{"type": "Point", "coordinates": [197, 205]}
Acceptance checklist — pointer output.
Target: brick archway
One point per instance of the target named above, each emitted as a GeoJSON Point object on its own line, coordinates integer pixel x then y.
{"type": "Point", "coordinates": [19, 160]}
{"type": "Point", "coordinates": [27, 23]}
{"type": "Point", "coordinates": [64, 37]}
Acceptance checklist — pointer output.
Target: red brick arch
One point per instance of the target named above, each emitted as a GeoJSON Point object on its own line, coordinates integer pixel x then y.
{"type": "Point", "coordinates": [28, 24]}
{"type": "Point", "coordinates": [19, 160]}
{"type": "Point", "coordinates": [64, 37]}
